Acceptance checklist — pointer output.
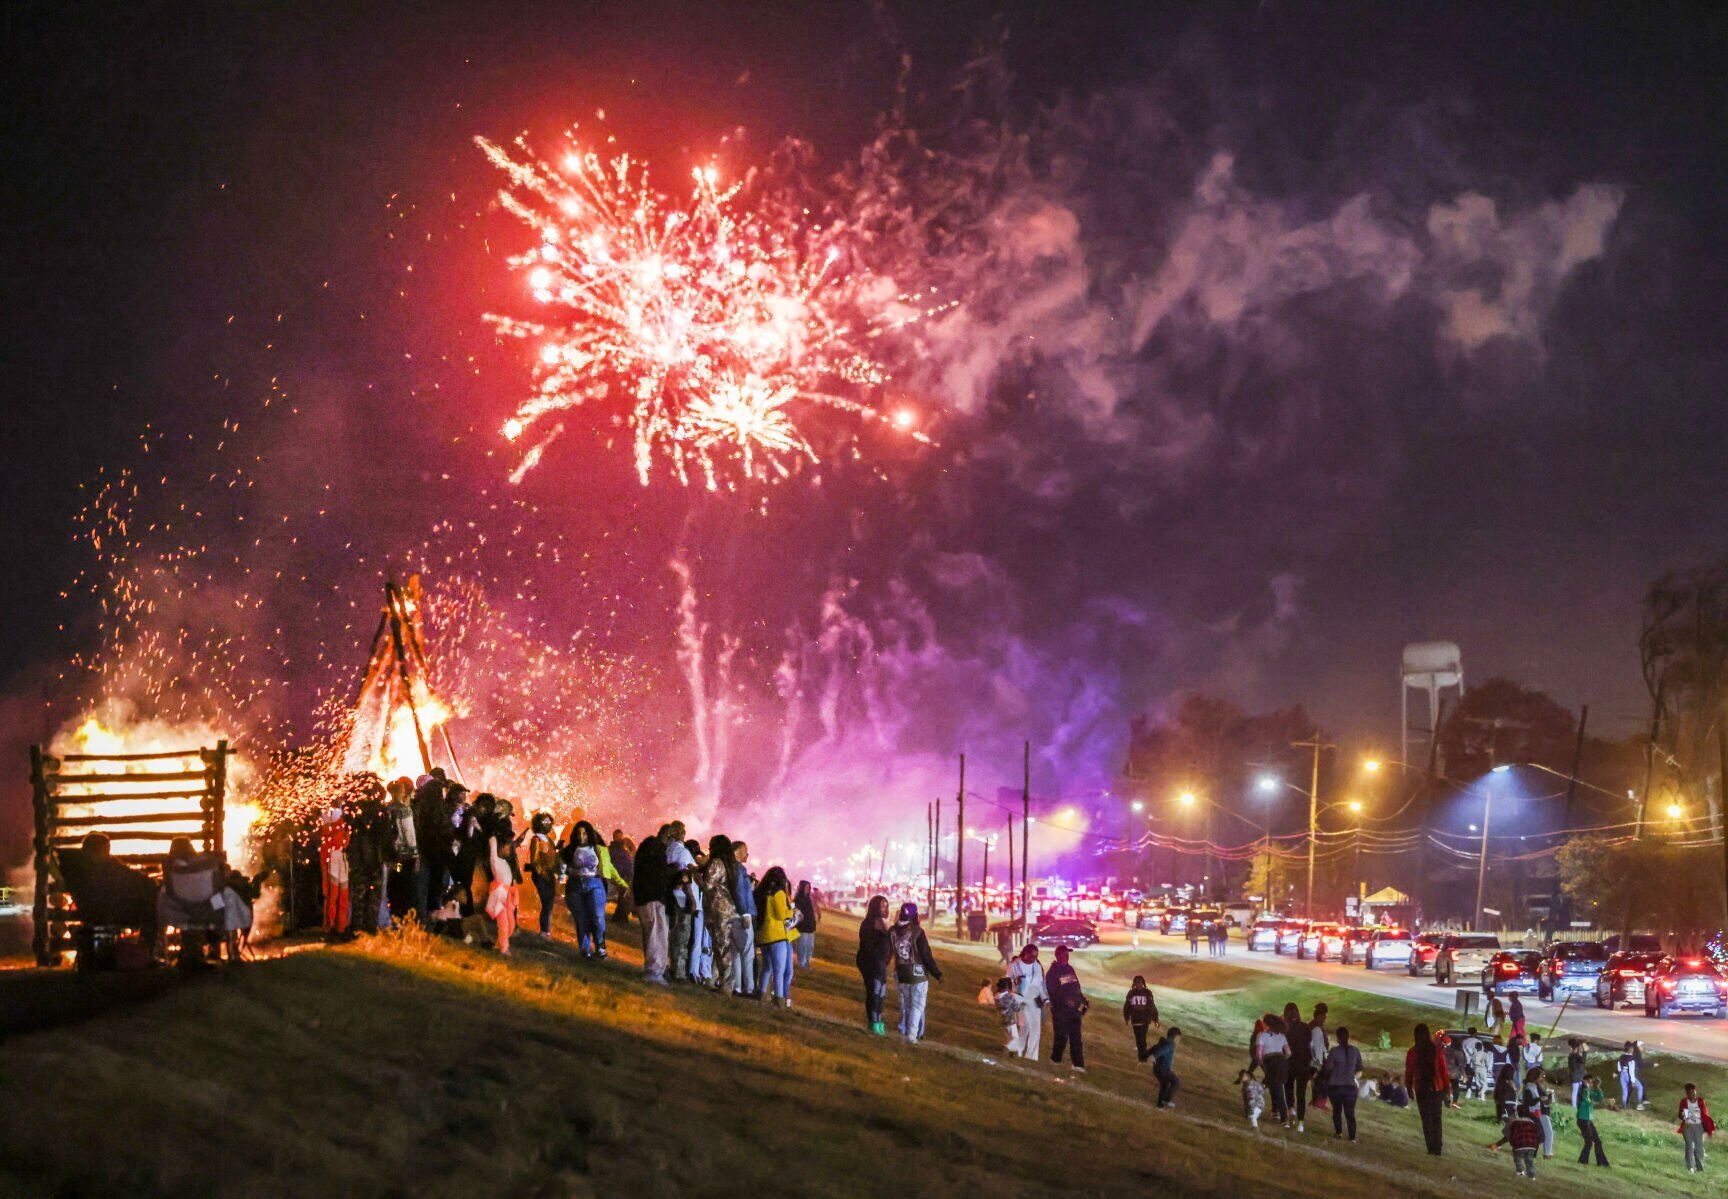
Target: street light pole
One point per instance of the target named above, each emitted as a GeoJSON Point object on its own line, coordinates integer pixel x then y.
{"type": "Point", "coordinates": [1313, 814]}
{"type": "Point", "coordinates": [1482, 860]}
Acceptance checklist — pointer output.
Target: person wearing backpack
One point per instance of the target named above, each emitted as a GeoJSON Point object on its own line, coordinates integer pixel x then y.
{"type": "Point", "coordinates": [914, 966]}
{"type": "Point", "coordinates": [544, 866]}
{"type": "Point", "coordinates": [1068, 1006]}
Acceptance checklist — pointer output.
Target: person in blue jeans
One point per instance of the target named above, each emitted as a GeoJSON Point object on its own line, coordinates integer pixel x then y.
{"type": "Point", "coordinates": [744, 924]}
{"type": "Point", "coordinates": [545, 864]}
{"type": "Point", "coordinates": [590, 866]}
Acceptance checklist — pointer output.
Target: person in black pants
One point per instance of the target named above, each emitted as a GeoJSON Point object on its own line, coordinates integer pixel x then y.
{"type": "Point", "coordinates": [1338, 1074]}
{"type": "Point", "coordinates": [1140, 1012]}
{"type": "Point", "coordinates": [1068, 1007]}
{"type": "Point", "coordinates": [1163, 1056]}
{"type": "Point", "coordinates": [1425, 1075]}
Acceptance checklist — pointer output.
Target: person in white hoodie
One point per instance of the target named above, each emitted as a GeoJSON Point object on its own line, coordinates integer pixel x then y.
{"type": "Point", "coordinates": [1026, 974]}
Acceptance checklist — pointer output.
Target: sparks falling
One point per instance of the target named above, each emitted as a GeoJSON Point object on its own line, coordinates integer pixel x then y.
{"type": "Point", "coordinates": [712, 332]}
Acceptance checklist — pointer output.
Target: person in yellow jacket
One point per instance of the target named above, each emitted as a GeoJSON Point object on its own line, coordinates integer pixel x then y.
{"type": "Point", "coordinates": [777, 935]}
{"type": "Point", "coordinates": [591, 868]}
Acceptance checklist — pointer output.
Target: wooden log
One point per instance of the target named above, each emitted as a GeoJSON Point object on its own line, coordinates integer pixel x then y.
{"type": "Point", "coordinates": [39, 911]}
{"type": "Point", "coordinates": [165, 776]}
{"type": "Point", "coordinates": [101, 797]}
{"type": "Point", "coordinates": [156, 757]}
{"type": "Point", "coordinates": [100, 822]}
{"type": "Point", "coordinates": [141, 834]}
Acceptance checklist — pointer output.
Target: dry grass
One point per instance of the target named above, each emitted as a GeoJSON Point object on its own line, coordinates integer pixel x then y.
{"type": "Point", "coordinates": [419, 1067]}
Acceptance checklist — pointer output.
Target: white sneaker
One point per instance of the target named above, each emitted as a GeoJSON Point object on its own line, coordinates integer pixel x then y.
{"type": "Point", "coordinates": [1299, 1127]}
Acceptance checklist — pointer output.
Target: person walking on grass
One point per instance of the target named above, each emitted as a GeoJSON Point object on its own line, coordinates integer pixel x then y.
{"type": "Point", "coordinates": [623, 853]}
{"type": "Point", "coordinates": [720, 910]}
{"type": "Point", "coordinates": [805, 902]}
{"type": "Point", "coordinates": [1253, 1097]}
{"type": "Point", "coordinates": [1140, 1012]}
{"type": "Point", "coordinates": [502, 903]}
{"type": "Point", "coordinates": [1303, 1063]}
{"type": "Point", "coordinates": [1273, 1050]}
{"type": "Point", "coordinates": [914, 967]}
{"type": "Point", "coordinates": [1536, 1098]}
{"type": "Point", "coordinates": [1505, 1101]}
{"type": "Point", "coordinates": [1163, 1056]}
{"type": "Point", "coordinates": [544, 866]}
{"type": "Point", "coordinates": [1026, 972]}
{"type": "Point", "coordinates": [651, 891]}
{"type": "Point", "coordinates": [1577, 1065]}
{"type": "Point", "coordinates": [1695, 1125]}
{"type": "Point", "coordinates": [680, 917]}
{"type": "Point", "coordinates": [1338, 1072]}
{"type": "Point", "coordinates": [1525, 1135]}
{"type": "Point", "coordinates": [875, 954]}
{"type": "Point", "coordinates": [1193, 927]}
{"type": "Point", "coordinates": [1631, 1065]}
{"type": "Point", "coordinates": [1588, 1095]}
{"type": "Point", "coordinates": [1515, 1014]}
{"type": "Point", "coordinates": [1010, 1009]}
{"type": "Point", "coordinates": [744, 926]}
{"type": "Point", "coordinates": [589, 860]}
{"type": "Point", "coordinates": [1425, 1075]}
{"type": "Point", "coordinates": [779, 934]}
{"type": "Point", "coordinates": [1068, 1006]}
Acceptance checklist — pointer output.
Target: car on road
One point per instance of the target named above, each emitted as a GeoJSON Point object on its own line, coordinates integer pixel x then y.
{"type": "Point", "coordinates": [1390, 947]}
{"type": "Point", "coordinates": [1639, 943]}
{"type": "Point", "coordinates": [1175, 920]}
{"type": "Point", "coordinates": [1290, 937]}
{"type": "Point", "coordinates": [1511, 972]}
{"type": "Point", "coordinates": [1356, 942]}
{"type": "Point", "coordinates": [1238, 915]}
{"type": "Point", "coordinates": [1074, 933]}
{"type": "Point", "coordinates": [1570, 966]}
{"type": "Point", "coordinates": [1312, 946]}
{"type": "Point", "coordinates": [1151, 915]}
{"type": "Point", "coordinates": [1686, 984]}
{"type": "Point", "coordinates": [1464, 956]}
{"type": "Point", "coordinates": [1424, 948]}
{"type": "Point", "coordinates": [1264, 934]}
{"type": "Point", "coordinates": [1623, 977]}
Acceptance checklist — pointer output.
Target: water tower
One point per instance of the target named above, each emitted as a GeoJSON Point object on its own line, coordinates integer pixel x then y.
{"type": "Point", "coordinates": [1429, 666]}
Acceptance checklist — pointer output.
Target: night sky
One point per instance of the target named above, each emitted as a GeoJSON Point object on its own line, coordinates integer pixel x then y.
{"type": "Point", "coordinates": [1295, 333]}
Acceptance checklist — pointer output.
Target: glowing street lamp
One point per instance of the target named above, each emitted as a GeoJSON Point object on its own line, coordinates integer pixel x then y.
{"type": "Point", "coordinates": [1675, 811]}
{"type": "Point", "coordinates": [1371, 765]}
{"type": "Point", "coordinates": [1268, 784]}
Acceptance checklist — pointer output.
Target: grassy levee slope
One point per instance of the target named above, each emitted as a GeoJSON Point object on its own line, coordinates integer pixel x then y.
{"type": "Point", "coordinates": [412, 1066]}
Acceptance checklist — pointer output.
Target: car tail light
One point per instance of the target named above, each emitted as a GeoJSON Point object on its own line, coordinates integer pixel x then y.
{"type": "Point", "coordinates": [1666, 984]}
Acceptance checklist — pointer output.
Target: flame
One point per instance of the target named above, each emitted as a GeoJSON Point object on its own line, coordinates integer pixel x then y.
{"type": "Point", "coordinates": [94, 738]}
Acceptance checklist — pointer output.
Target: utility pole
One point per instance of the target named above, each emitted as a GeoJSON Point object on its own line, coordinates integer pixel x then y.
{"type": "Point", "coordinates": [1010, 821]}
{"type": "Point", "coordinates": [1482, 860]}
{"type": "Point", "coordinates": [930, 853]}
{"type": "Point", "coordinates": [1025, 836]}
{"type": "Point", "coordinates": [1313, 813]}
{"type": "Point", "coordinates": [960, 855]}
{"type": "Point", "coordinates": [936, 863]}
{"type": "Point", "coordinates": [1425, 796]}
{"type": "Point", "coordinates": [1722, 791]}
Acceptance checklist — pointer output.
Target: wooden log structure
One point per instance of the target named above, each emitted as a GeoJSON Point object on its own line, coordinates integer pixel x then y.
{"type": "Point", "coordinates": [187, 797]}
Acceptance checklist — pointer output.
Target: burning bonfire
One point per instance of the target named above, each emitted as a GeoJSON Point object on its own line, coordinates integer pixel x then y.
{"type": "Point", "coordinates": [400, 723]}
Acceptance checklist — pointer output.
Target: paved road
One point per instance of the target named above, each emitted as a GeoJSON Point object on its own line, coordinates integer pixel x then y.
{"type": "Point", "coordinates": [1694, 1036]}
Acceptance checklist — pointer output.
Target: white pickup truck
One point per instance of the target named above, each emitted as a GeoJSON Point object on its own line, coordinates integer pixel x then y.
{"type": "Point", "coordinates": [1464, 956]}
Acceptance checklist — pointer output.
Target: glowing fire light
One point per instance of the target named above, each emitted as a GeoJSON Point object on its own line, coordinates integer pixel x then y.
{"type": "Point", "coordinates": [94, 738]}
{"type": "Point", "coordinates": [707, 329]}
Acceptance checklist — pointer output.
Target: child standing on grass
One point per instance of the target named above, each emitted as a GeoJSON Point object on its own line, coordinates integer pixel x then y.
{"type": "Point", "coordinates": [1163, 1057]}
{"type": "Point", "coordinates": [1011, 1008]}
{"type": "Point", "coordinates": [1526, 1136]}
{"type": "Point", "coordinates": [1695, 1125]}
{"type": "Point", "coordinates": [1589, 1094]}
{"type": "Point", "coordinates": [1253, 1097]}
